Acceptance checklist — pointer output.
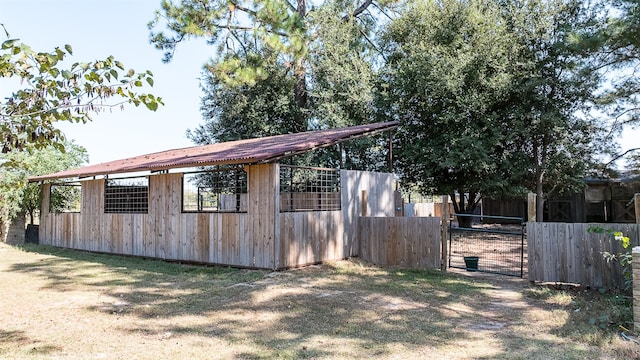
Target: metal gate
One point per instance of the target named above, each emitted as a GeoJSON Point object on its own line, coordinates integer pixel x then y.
{"type": "Point", "coordinates": [493, 244]}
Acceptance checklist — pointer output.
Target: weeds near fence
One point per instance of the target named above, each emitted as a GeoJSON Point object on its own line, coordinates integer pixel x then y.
{"type": "Point", "coordinates": [624, 258]}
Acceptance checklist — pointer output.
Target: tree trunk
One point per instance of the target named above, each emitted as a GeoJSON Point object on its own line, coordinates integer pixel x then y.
{"type": "Point", "coordinates": [539, 158]}
{"type": "Point", "coordinates": [300, 87]}
{"type": "Point", "coordinates": [539, 201]}
{"type": "Point", "coordinates": [462, 207]}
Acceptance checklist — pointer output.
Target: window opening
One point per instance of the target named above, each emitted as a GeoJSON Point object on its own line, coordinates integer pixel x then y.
{"type": "Point", "coordinates": [217, 190]}
{"type": "Point", "coordinates": [127, 195]}
{"type": "Point", "coordinates": [65, 198]}
{"type": "Point", "coordinates": [309, 189]}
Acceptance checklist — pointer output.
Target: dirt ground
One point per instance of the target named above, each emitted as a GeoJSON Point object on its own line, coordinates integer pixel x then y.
{"type": "Point", "coordinates": [74, 305]}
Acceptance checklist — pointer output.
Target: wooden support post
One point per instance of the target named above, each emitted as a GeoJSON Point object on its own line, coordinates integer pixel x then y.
{"type": "Point", "coordinates": [365, 200]}
{"type": "Point", "coordinates": [531, 207]}
{"type": "Point", "coordinates": [635, 266]}
{"type": "Point", "coordinates": [444, 221]}
{"type": "Point", "coordinates": [398, 203]}
{"type": "Point", "coordinates": [636, 200]}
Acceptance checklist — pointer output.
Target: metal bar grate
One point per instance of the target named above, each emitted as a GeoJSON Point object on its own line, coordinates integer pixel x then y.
{"type": "Point", "coordinates": [493, 244]}
{"type": "Point", "coordinates": [309, 189]}
{"type": "Point", "coordinates": [130, 195]}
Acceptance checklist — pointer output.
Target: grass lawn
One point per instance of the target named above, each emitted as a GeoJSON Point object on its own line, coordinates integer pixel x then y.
{"type": "Point", "coordinates": [66, 304]}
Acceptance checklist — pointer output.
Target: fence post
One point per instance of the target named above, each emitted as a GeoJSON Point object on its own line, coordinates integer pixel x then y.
{"type": "Point", "coordinates": [365, 200]}
{"type": "Point", "coordinates": [398, 203]}
{"type": "Point", "coordinates": [636, 200]}
{"type": "Point", "coordinates": [444, 221]}
{"type": "Point", "coordinates": [531, 207]}
{"type": "Point", "coordinates": [635, 288]}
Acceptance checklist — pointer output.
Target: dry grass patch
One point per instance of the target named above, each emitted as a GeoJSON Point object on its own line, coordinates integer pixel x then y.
{"type": "Point", "coordinates": [77, 305]}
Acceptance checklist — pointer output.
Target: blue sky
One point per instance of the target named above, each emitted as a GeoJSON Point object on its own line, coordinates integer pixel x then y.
{"type": "Point", "coordinates": [96, 30]}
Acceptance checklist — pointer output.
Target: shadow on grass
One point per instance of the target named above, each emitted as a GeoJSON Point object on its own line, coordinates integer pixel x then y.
{"type": "Point", "coordinates": [347, 309]}
{"type": "Point", "coordinates": [19, 339]}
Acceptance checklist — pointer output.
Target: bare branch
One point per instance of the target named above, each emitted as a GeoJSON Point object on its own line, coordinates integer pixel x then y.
{"type": "Point", "coordinates": [361, 8]}
{"type": "Point", "coordinates": [291, 7]}
{"type": "Point", "coordinates": [358, 10]}
{"type": "Point", "coordinates": [244, 9]}
{"type": "Point", "coordinates": [619, 156]}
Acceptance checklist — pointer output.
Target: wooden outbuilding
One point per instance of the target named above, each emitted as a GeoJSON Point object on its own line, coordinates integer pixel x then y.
{"type": "Point", "coordinates": [230, 203]}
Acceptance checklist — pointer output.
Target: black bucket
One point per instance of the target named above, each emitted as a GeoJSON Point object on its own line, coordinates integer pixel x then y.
{"type": "Point", "coordinates": [471, 263]}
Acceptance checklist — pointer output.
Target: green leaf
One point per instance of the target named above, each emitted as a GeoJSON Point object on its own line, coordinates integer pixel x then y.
{"type": "Point", "coordinates": [8, 43]}
{"type": "Point", "coordinates": [69, 49]}
{"type": "Point", "coordinates": [152, 105]}
{"type": "Point", "coordinates": [67, 74]}
{"type": "Point", "coordinates": [150, 81]}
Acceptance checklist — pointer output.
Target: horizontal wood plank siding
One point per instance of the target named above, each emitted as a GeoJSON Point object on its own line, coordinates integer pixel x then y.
{"type": "Point", "coordinates": [408, 242]}
{"type": "Point", "coordinates": [569, 253]}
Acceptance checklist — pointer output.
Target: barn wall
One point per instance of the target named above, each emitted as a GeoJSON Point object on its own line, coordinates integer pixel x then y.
{"type": "Point", "coordinates": [311, 237]}
{"type": "Point", "coordinates": [379, 201]}
{"type": "Point", "coordinates": [239, 239]}
{"type": "Point", "coordinates": [316, 236]}
{"type": "Point", "coordinates": [263, 237]}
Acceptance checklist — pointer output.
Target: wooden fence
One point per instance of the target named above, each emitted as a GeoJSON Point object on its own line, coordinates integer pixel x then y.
{"type": "Point", "coordinates": [408, 242]}
{"type": "Point", "coordinates": [568, 253]}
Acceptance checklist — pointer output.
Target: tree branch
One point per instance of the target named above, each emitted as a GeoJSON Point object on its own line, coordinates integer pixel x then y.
{"type": "Point", "coordinates": [244, 9]}
{"type": "Point", "coordinates": [359, 10]}
{"type": "Point", "coordinates": [619, 156]}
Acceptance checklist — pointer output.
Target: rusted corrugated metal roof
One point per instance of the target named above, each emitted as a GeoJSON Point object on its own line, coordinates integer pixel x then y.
{"type": "Point", "coordinates": [250, 151]}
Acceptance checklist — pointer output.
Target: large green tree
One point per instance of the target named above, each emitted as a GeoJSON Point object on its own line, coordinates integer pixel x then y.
{"type": "Point", "coordinates": [615, 49]}
{"type": "Point", "coordinates": [618, 49]}
{"type": "Point", "coordinates": [48, 92]}
{"type": "Point", "coordinates": [340, 91]}
{"type": "Point", "coordinates": [446, 78]}
{"type": "Point", "coordinates": [244, 30]}
{"type": "Point", "coordinates": [553, 91]}
{"type": "Point", "coordinates": [234, 112]}
{"type": "Point", "coordinates": [488, 95]}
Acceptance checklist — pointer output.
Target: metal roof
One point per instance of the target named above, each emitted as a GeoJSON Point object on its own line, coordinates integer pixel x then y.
{"type": "Point", "coordinates": [250, 151]}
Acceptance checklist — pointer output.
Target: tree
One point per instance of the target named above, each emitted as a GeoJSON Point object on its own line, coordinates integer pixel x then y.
{"type": "Point", "coordinates": [619, 50]}
{"type": "Point", "coordinates": [19, 196]}
{"type": "Point", "coordinates": [340, 91]}
{"type": "Point", "coordinates": [491, 97]}
{"type": "Point", "coordinates": [247, 30]}
{"type": "Point", "coordinates": [446, 78]}
{"type": "Point", "coordinates": [343, 85]}
{"type": "Point", "coordinates": [234, 112]}
{"type": "Point", "coordinates": [615, 48]}
{"type": "Point", "coordinates": [49, 93]}
{"type": "Point", "coordinates": [552, 91]}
